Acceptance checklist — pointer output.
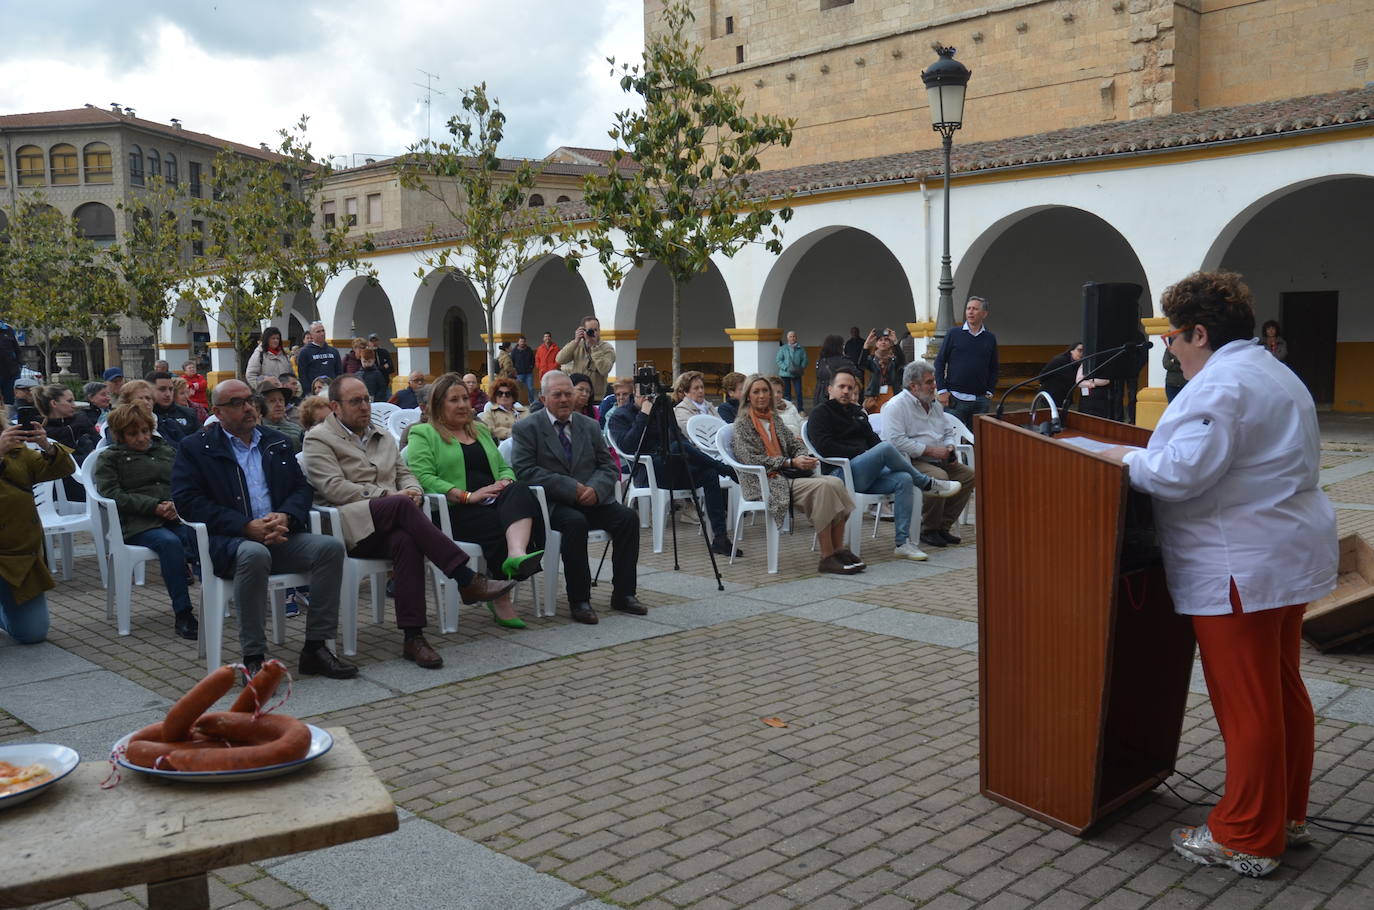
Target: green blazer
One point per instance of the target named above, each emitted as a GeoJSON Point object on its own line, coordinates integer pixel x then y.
{"type": "Point", "coordinates": [440, 466]}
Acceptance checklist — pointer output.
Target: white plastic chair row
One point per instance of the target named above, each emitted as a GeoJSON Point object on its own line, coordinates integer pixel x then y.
{"type": "Point", "coordinates": [121, 564]}
{"type": "Point", "coordinates": [854, 530]}
{"type": "Point", "coordinates": [725, 439]}
{"type": "Point", "coordinates": [399, 419]}
{"type": "Point", "coordinates": [58, 528]}
{"type": "Point", "coordinates": [963, 450]}
{"type": "Point", "coordinates": [657, 496]}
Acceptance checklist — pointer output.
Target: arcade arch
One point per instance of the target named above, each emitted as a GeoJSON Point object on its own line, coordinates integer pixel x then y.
{"type": "Point", "coordinates": [363, 308]}
{"type": "Point", "coordinates": [546, 297]}
{"type": "Point", "coordinates": [646, 304]}
{"type": "Point", "coordinates": [447, 312]}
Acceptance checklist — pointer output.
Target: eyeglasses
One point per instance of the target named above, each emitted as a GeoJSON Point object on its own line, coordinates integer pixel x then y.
{"type": "Point", "coordinates": [357, 402]}
{"type": "Point", "coordinates": [417, 382]}
{"type": "Point", "coordinates": [505, 393]}
{"type": "Point", "coordinates": [1168, 337]}
{"type": "Point", "coordinates": [233, 404]}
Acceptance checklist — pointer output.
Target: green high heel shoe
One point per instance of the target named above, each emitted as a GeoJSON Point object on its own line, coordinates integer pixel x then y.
{"type": "Point", "coordinates": [521, 567]}
{"type": "Point", "coordinates": [515, 622]}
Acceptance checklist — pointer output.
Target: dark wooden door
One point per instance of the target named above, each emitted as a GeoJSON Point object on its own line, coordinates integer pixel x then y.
{"type": "Point", "coordinates": [1309, 327]}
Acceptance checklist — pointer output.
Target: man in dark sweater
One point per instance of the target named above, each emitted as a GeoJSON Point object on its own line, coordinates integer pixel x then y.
{"type": "Point", "coordinates": [839, 428]}
{"type": "Point", "coordinates": [174, 422]}
{"type": "Point", "coordinates": [630, 421]}
{"type": "Point", "coordinates": [966, 368]}
{"type": "Point", "coordinates": [316, 358]}
{"type": "Point", "coordinates": [522, 359]}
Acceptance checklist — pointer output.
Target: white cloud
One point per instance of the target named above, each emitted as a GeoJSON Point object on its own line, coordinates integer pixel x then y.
{"type": "Point", "coordinates": [243, 70]}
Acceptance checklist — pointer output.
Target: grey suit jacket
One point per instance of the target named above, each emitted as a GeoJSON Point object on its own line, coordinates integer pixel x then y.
{"type": "Point", "coordinates": [539, 458]}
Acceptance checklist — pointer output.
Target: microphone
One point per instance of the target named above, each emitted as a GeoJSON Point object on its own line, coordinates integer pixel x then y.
{"type": "Point", "coordinates": [1051, 426]}
{"type": "Point", "coordinates": [1114, 352]}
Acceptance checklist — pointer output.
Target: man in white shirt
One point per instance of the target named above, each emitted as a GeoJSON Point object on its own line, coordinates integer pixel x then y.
{"type": "Point", "coordinates": [914, 422]}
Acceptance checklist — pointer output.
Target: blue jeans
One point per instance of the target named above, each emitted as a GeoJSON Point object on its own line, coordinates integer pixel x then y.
{"type": "Point", "coordinates": [966, 410]}
{"type": "Point", "coordinates": [792, 388]}
{"type": "Point", "coordinates": [882, 470]}
{"type": "Point", "coordinates": [173, 546]}
{"type": "Point", "coordinates": [26, 623]}
{"type": "Point", "coordinates": [527, 380]}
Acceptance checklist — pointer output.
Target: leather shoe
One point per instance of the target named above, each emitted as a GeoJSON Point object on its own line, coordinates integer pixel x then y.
{"type": "Point", "coordinates": [628, 603]}
{"type": "Point", "coordinates": [951, 539]}
{"type": "Point", "coordinates": [186, 625]}
{"type": "Point", "coordinates": [418, 650]}
{"type": "Point", "coordinates": [933, 539]}
{"type": "Point", "coordinates": [835, 566]}
{"type": "Point", "coordinates": [848, 557]}
{"type": "Point", "coordinates": [582, 612]}
{"type": "Point", "coordinates": [484, 589]}
{"type": "Point", "coordinates": [252, 664]}
{"type": "Point", "coordinates": [721, 546]}
{"type": "Point", "coordinates": [323, 662]}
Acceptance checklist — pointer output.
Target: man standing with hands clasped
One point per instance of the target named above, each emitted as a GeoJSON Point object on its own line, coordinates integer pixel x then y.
{"type": "Point", "coordinates": [966, 368]}
{"type": "Point", "coordinates": [588, 354]}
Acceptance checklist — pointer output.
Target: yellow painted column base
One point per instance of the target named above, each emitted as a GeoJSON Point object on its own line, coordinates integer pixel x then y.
{"type": "Point", "coordinates": [215, 377]}
{"type": "Point", "coordinates": [1149, 407]}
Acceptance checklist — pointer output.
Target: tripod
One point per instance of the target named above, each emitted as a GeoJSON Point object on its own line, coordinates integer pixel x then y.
{"type": "Point", "coordinates": [670, 447]}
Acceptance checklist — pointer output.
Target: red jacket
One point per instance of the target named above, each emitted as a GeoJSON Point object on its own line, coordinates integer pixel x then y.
{"type": "Point", "coordinates": [196, 386]}
{"type": "Point", "coordinates": [545, 359]}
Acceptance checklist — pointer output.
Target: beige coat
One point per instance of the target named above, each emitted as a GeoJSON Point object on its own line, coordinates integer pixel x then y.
{"type": "Point", "coordinates": [346, 474]}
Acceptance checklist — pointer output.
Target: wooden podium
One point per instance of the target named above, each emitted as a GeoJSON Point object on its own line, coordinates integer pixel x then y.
{"type": "Point", "coordinates": [1083, 665]}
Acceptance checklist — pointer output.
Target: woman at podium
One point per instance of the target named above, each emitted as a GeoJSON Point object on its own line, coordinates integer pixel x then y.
{"type": "Point", "coordinates": [1248, 539]}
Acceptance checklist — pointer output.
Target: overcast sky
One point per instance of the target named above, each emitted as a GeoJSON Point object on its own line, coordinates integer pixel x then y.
{"type": "Point", "coordinates": [241, 69]}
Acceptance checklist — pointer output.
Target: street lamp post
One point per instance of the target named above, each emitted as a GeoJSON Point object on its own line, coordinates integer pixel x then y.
{"type": "Point", "coordinates": [945, 80]}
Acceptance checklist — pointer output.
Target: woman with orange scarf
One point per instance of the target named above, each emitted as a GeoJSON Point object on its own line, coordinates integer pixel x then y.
{"type": "Point", "coordinates": [762, 439]}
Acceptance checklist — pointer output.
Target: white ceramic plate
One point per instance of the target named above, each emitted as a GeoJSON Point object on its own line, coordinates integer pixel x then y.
{"type": "Point", "coordinates": [60, 760]}
{"type": "Point", "coordinates": [320, 743]}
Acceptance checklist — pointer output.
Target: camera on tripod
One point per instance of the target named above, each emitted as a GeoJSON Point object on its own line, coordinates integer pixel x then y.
{"type": "Point", "coordinates": [647, 382]}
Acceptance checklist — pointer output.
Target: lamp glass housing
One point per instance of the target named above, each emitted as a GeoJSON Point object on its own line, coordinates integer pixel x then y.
{"type": "Point", "coordinates": [946, 104]}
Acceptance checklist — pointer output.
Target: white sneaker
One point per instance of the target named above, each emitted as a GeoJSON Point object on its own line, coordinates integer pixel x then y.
{"type": "Point", "coordinates": [943, 489]}
{"type": "Point", "coordinates": [909, 550]}
{"type": "Point", "coordinates": [1197, 845]}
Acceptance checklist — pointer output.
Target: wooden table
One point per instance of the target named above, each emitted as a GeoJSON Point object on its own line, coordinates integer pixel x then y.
{"type": "Point", "coordinates": [78, 838]}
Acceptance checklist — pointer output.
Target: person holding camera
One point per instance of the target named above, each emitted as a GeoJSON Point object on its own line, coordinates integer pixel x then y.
{"type": "Point", "coordinates": [588, 354]}
{"type": "Point", "coordinates": [24, 572]}
{"type": "Point", "coordinates": [884, 366]}
{"type": "Point", "coordinates": [634, 431]}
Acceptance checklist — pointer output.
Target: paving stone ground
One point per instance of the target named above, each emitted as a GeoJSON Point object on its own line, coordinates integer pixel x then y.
{"type": "Point", "coordinates": [641, 774]}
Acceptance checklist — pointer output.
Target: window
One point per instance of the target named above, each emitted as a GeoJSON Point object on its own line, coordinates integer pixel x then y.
{"type": "Point", "coordinates": [351, 211]}
{"type": "Point", "coordinates": [62, 160]}
{"type": "Point", "coordinates": [536, 200]}
{"type": "Point", "coordinates": [135, 165]}
{"type": "Point", "coordinates": [327, 213]}
{"type": "Point", "coordinates": [2, 170]}
{"type": "Point", "coordinates": [99, 163]}
{"type": "Point", "coordinates": [215, 194]}
{"type": "Point", "coordinates": [28, 162]}
{"type": "Point", "coordinates": [154, 163]}
{"type": "Point", "coordinates": [374, 208]}
{"type": "Point", "coordinates": [739, 53]}
{"type": "Point", "coordinates": [193, 169]}
{"type": "Point", "coordinates": [197, 238]}
{"type": "Point", "coordinates": [729, 25]}
{"type": "Point", "coordinates": [563, 199]}
{"type": "Point", "coordinates": [96, 222]}
{"type": "Point", "coordinates": [169, 165]}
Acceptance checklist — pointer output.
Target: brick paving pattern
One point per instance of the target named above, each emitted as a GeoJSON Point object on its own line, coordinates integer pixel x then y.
{"type": "Point", "coordinates": [642, 773]}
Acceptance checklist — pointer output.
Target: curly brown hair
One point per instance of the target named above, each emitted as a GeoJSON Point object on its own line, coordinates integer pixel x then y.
{"type": "Point", "coordinates": [1218, 300]}
{"type": "Point", "coordinates": [127, 417]}
{"type": "Point", "coordinates": [505, 382]}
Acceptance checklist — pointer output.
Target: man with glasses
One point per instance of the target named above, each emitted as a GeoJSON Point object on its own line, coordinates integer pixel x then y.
{"type": "Point", "coordinates": [407, 397]}
{"type": "Point", "coordinates": [358, 469]}
{"type": "Point", "coordinates": [242, 481]}
{"type": "Point", "coordinates": [588, 354]}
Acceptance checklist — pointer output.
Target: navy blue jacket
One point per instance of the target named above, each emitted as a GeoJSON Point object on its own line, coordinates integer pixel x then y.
{"type": "Point", "coordinates": [967, 362]}
{"type": "Point", "coordinates": [208, 486]}
{"type": "Point", "coordinates": [313, 361]}
{"type": "Point", "coordinates": [728, 410]}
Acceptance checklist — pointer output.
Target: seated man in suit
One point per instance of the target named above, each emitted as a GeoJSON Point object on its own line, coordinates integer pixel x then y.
{"type": "Point", "coordinates": [242, 481]}
{"type": "Point", "coordinates": [566, 454]}
{"type": "Point", "coordinates": [356, 467]}
{"type": "Point", "coordinates": [914, 422]}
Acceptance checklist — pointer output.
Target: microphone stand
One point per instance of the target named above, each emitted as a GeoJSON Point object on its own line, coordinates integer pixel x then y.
{"type": "Point", "coordinates": [1092, 372]}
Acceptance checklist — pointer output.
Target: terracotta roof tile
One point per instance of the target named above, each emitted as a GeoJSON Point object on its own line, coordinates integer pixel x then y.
{"type": "Point", "coordinates": [99, 116]}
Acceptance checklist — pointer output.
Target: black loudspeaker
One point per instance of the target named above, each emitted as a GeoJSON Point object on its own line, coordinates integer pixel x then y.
{"type": "Point", "coordinates": [1111, 318]}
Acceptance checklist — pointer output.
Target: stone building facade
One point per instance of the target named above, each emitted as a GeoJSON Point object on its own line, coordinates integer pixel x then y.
{"type": "Point", "coordinates": [849, 70]}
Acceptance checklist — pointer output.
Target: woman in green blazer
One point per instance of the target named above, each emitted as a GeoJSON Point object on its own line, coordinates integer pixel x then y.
{"type": "Point", "coordinates": [454, 455]}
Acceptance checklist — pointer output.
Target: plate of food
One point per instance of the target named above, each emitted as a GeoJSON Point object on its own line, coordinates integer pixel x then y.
{"type": "Point", "coordinates": [27, 769]}
{"type": "Point", "coordinates": [320, 743]}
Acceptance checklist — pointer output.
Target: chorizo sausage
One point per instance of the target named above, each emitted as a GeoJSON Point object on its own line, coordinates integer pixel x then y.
{"type": "Point", "coordinates": [260, 688]}
{"type": "Point", "coordinates": [270, 739]}
{"type": "Point", "coordinates": [177, 725]}
{"type": "Point", "coordinates": [145, 753]}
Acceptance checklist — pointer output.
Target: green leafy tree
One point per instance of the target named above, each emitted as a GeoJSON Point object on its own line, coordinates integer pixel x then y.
{"type": "Point", "coordinates": [154, 260]}
{"type": "Point", "coordinates": [261, 241]}
{"type": "Point", "coordinates": [499, 234]}
{"type": "Point", "coordinates": [689, 198]}
{"type": "Point", "coordinates": [99, 298]}
{"type": "Point", "coordinates": [56, 283]}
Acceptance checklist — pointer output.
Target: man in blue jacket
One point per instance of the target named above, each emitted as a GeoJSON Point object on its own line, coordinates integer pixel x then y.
{"type": "Point", "coordinates": [317, 358]}
{"type": "Point", "coordinates": [791, 363]}
{"type": "Point", "coordinates": [242, 481]}
{"type": "Point", "coordinates": [966, 368]}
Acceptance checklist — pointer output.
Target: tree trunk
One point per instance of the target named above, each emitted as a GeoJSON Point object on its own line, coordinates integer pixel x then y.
{"type": "Point", "coordinates": [491, 342]}
{"type": "Point", "coordinates": [677, 332]}
{"type": "Point", "coordinates": [90, 364]}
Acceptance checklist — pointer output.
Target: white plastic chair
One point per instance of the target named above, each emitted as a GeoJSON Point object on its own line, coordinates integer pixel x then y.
{"type": "Point", "coordinates": [553, 542]}
{"type": "Point", "coordinates": [58, 528]}
{"type": "Point", "coordinates": [217, 597]}
{"type": "Point", "coordinates": [121, 564]}
{"type": "Point", "coordinates": [963, 450]}
{"type": "Point", "coordinates": [701, 432]}
{"type": "Point", "coordinates": [401, 418]}
{"type": "Point", "coordinates": [381, 413]}
{"type": "Point", "coordinates": [876, 422]}
{"type": "Point", "coordinates": [854, 530]}
{"type": "Point", "coordinates": [658, 496]}
{"type": "Point", "coordinates": [725, 439]}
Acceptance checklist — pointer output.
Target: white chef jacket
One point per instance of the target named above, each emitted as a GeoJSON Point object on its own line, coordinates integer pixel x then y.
{"type": "Point", "coordinates": [1233, 468]}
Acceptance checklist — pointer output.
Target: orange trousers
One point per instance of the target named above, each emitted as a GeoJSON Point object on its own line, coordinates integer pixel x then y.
{"type": "Point", "coordinates": [1250, 661]}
